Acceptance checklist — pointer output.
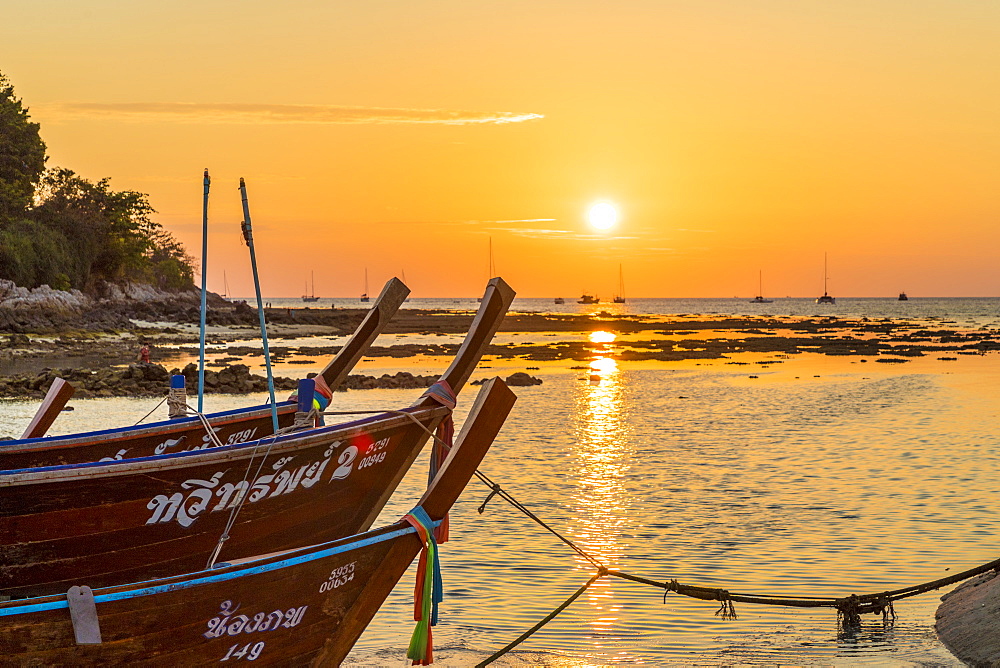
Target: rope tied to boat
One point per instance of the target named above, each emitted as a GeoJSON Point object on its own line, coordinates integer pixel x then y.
{"type": "Point", "coordinates": [848, 612]}
{"type": "Point", "coordinates": [428, 591]}
{"type": "Point", "coordinates": [177, 402]}
{"type": "Point", "coordinates": [442, 393]}
{"type": "Point", "coordinates": [726, 609]}
{"type": "Point", "coordinates": [496, 490]}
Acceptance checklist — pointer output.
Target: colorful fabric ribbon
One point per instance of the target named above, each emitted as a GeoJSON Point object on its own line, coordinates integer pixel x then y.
{"type": "Point", "coordinates": [428, 591]}
{"type": "Point", "coordinates": [442, 393]}
{"type": "Point", "coordinates": [322, 396]}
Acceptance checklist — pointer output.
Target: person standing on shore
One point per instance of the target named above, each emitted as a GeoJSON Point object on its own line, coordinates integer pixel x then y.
{"type": "Point", "coordinates": [144, 353]}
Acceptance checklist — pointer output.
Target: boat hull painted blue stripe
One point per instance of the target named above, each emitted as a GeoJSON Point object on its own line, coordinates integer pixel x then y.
{"type": "Point", "coordinates": [28, 607]}
{"type": "Point", "coordinates": [55, 440]}
{"type": "Point", "coordinates": [250, 445]}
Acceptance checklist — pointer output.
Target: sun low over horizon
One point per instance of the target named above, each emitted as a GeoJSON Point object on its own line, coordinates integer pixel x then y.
{"type": "Point", "coordinates": [695, 146]}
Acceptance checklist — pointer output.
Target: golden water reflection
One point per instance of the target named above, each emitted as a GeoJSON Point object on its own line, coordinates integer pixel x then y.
{"type": "Point", "coordinates": [602, 337]}
{"type": "Point", "coordinates": [601, 504]}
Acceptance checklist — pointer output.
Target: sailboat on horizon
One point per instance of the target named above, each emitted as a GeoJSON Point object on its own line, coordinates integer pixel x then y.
{"type": "Point", "coordinates": [225, 286]}
{"type": "Point", "coordinates": [620, 297]}
{"type": "Point", "coordinates": [311, 297]}
{"type": "Point", "coordinates": [826, 298]}
{"type": "Point", "coordinates": [759, 299]}
{"type": "Point", "coordinates": [364, 295]}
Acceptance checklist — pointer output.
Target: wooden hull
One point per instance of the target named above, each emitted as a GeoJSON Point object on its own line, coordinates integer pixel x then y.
{"type": "Point", "coordinates": [114, 522]}
{"type": "Point", "coordinates": [305, 607]}
{"type": "Point", "coordinates": [186, 434]}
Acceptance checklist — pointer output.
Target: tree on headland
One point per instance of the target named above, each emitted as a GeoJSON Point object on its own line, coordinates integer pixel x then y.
{"type": "Point", "coordinates": [60, 229]}
{"type": "Point", "coordinates": [111, 232]}
{"type": "Point", "coordinates": [22, 154]}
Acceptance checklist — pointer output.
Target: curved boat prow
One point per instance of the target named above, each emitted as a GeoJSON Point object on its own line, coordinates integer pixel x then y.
{"type": "Point", "coordinates": [492, 309]}
{"type": "Point", "coordinates": [389, 300]}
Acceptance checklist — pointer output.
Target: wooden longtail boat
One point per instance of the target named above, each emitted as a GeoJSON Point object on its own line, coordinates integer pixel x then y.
{"type": "Point", "coordinates": [184, 434]}
{"type": "Point", "coordinates": [302, 607]}
{"type": "Point", "coordinates": [106, 523]}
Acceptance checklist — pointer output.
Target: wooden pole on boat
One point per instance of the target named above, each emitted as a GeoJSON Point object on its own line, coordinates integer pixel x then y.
{"type": "Point", "coordinates": [57, 396]}
{"type": "Point", "coordinates": [248, 237]}
{"type": "Point", "coordinates": [204, 294]}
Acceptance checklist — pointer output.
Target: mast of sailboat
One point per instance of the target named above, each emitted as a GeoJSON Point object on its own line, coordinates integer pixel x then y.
{"type": "Point", "coordinates": [204, 295]}
{"type": "Point", "coordinates": [760, 282]}
{"type": "Point", "coordinates": [825, 276]}
{"type": "Point", "coordinates": [248, 237]}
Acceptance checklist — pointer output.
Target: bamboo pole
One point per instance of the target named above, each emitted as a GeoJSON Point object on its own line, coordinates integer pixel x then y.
{"type": "Point", "coordinates": [248, 237]}
{"type": "Point", "coordinates": [204, 295]}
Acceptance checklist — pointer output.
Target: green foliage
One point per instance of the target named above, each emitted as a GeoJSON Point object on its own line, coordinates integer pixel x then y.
{"type": "Point", "coordinates": [77, 233]}
{"type": "Point", "coordinates": [32, 254]}
{"type": "Point", "coordinates": [22, 155]}
{"type": "Point", "coordinates": [109, 230]}
{"type": "Point", "coordinates": [170, 266]}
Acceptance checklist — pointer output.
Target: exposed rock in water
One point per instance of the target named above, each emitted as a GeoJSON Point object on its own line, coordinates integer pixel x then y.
{"type": "Point", "coordinates": [401, 380]}
{"type": "Point", "coordinates": [517, 379]}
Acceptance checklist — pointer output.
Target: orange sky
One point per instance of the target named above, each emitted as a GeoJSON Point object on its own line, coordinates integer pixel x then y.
{"type": "Point", "coordinates": [400, 136]}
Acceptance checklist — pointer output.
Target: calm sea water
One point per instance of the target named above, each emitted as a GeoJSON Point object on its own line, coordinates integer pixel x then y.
{"type": "Point", "coordinates": [820, 477]}
{"type": "Point", "coordinates": [962, 310]}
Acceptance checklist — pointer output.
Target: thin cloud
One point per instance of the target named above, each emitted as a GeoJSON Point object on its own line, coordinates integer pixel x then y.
{"type": "Point", "coordinates": [535, 233]}
{"type": "Point", "coordinates": [297, 114]}
{"type": "Point", "coordinates": [508, 222]}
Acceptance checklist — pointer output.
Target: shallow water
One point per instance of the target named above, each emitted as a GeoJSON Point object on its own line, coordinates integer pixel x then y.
{"type": "Point", "coordinates": [826, 488]}
{"type": "Point", "coordinates": [819, 477]}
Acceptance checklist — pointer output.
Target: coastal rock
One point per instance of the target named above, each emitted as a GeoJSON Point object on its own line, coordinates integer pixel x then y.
{"type": "Point", "coordinates": [517, 379]}
{"type": "Point", "coordinates": [968, 620]}
{"type": "Point", "coordinates": [521, 379]}
{"type": "Point", "coordinates": [18, 341]}
{"type": "Point", "coordinates": [401, 380]}
{"type": "Point", "coordinates": [42, 297]}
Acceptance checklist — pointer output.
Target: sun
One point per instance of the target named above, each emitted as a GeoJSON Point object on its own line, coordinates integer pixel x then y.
{"type": "Point", "coordinates": [602, 215]}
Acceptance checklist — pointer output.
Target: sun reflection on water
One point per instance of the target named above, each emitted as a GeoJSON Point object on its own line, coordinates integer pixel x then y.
{"type": "Point", "coordinates": [601, 505]}
{"type": "Point", "coordinates": [602, 337]}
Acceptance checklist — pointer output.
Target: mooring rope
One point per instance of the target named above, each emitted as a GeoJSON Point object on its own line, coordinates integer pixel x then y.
{"type": "Point", "coordinates": [241, 497]}
{"type": "Point", "coordinates": [849, 608]}
{"type": "Point", "coordinates": [152, 411]}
